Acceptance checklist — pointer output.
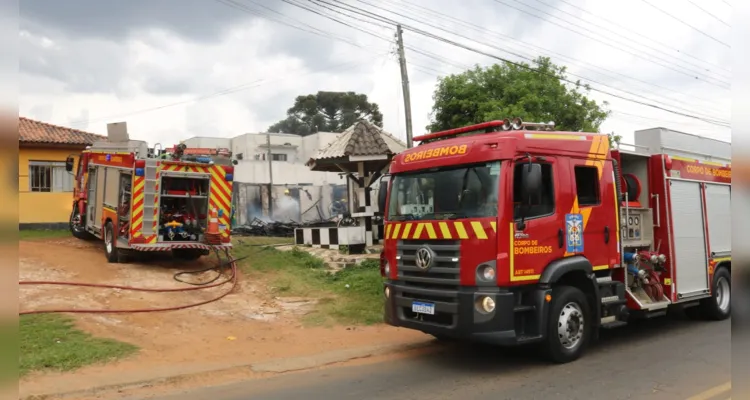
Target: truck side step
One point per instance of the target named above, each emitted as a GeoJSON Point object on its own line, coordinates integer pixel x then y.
{"type": "Point", "coordinates": [528, 339]}
{"type": "Point", "coordinates": [523, 308]}
{"type": "Point", "coordinates": [614, 324]}
{"type": "Point", "coordinates": [613, 300]}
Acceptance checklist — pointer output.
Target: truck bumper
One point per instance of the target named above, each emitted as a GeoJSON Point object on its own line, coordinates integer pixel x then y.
{"type": "Point", "coordinates": [509, 324]}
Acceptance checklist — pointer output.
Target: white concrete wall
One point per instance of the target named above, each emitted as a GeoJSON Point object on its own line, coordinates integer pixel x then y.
{"type": "Point", "coordinates": [293, 171]}
{"type": "Point", "coordinates": [206, 142]}
{"type": "Point", "coordinates": [298, 151]}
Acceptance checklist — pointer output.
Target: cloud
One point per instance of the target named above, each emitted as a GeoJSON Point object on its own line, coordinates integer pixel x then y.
{"type": "Point", "coordinates": [195, 20]}
{"type": "Point", "coordinates": [174, 69]}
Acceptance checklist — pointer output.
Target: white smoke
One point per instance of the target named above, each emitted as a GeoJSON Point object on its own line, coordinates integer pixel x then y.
{"type": "Point", "coordinates": [286, 208]}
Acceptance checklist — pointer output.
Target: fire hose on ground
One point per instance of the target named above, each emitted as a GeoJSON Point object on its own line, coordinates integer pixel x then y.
{"type": "Point", "coordinates": [231, 262]}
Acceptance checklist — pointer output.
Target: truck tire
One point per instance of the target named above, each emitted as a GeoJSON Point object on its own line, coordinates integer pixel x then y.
{"type": "Point", "coordinates": [76, 228]}
{"type": "Point", "coordinates": [718, 307]}
{"type": "Point", "coordinates": [110, 249]}
{"type": "Point", "coordinates": [569, 325]}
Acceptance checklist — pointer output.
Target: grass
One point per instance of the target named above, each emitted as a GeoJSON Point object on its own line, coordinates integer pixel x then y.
{"type": "Point", "coordinates": [33, 234]}
{"type": "Point", "coordinates": [351, 296]}
{"type": "Point", "coordinates": [52, 342]}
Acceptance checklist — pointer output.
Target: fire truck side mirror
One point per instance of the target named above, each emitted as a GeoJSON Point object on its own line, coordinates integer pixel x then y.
{"type": "Point", "coordinates": [383, 193]}
{"type": "Point", "coordinates": [531, 184]}
{"type": "Point", "coordinates": [69, 164]}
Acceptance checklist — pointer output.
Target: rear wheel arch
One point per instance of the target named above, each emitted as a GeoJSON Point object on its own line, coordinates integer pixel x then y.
{"type": "Point", "coordinates": [724, 264]}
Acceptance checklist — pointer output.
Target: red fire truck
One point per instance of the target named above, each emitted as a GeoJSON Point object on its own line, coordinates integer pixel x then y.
{"type": "Point", "coordinates": [139, 199]}
{"type": "Point", "coordinates": [510, 233]}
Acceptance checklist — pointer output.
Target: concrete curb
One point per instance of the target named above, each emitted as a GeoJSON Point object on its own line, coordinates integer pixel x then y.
{"type": "Point", "coordinates": [272, 366]}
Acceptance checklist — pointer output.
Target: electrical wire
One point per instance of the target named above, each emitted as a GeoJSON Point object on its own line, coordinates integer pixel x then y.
{"type": "Point", "coordinates": [434, 72]}
{"type": "Point", "coordinates": [620, 45]}
{"type": "Point", "coordinates": [686, 24]}
{"type": "Point", "coordinates": [224, 92]}
{"type": "Point", "coordinates": [430, 13]}
{"type": "Point", "coordinates": [530, 59]}
{"type": "Point", "coordinates": [651, 38]}
{"type": "Point", "coordinates": [709, 13]}
{"type": "Point", "coordinates": [520, 65]}
{"type": "Point", "coordinates": [231, 262]}
{"type": "Point", "coordinates": [617, 35]}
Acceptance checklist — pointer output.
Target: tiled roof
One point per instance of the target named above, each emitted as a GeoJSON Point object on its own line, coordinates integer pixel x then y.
{"type": "Point", "coordinates": [30, 131]}
{"type": "Point", "coordinates": [361, 139]}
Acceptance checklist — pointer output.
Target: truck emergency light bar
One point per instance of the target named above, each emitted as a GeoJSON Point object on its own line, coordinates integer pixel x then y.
{"type": "Point", "coordinates": [487, 127]}
{"type": "Point", "coordinates": [203, 151]}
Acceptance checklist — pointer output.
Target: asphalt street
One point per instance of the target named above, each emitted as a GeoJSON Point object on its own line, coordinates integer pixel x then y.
{"type": "Point", "coordinates": [666, 358]}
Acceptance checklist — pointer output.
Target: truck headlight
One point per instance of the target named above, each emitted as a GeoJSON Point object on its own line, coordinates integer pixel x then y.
{"type": "Point", "coordinates": [387, 269]}
{"type": "Point", "coordinates": [487, 273]}
{"type": "Point", "coordinates": [486, 304]}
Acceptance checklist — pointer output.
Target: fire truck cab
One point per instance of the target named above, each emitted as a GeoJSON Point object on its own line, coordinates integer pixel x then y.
{"type": "Point", "coordinates": [135, 198]}
{"type": "Point", "coordinates": [510, 233]}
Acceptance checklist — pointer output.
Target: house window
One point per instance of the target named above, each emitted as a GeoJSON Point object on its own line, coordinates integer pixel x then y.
{"type": "Point", "coordinates": [278, 157]}
{"type": "Point", "coordinates": [49, 176]}
{"type": "Point", "coordinates": [587, 185]}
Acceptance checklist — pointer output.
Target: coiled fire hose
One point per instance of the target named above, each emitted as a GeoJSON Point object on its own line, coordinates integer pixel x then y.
{"type": "Point", "coordinates": [230, 261]}
{"type": "Point", "coordinates": [653, 288]}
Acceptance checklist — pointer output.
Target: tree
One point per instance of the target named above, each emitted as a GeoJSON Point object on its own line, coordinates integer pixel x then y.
{"type": "Point", "coordinates": [533, 93]}
{"type": "Point", "coordinates": [614, 140]}
{"type": "Point", "coordinates": [327, 112]}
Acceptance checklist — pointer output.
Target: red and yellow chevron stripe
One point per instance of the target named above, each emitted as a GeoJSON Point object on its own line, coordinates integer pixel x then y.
{"type": "Point", "coordinates": [441, 230]}
{"type": "Point", "coordinates": [186, 168]}
{"type": "Point", "coordinates": [221, 196]}
{"type": "Point", "coordinates": [136, 210]}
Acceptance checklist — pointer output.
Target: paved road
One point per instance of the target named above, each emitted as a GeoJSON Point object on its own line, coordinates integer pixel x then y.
{"type": "Point", "coordinates": [660, 359]}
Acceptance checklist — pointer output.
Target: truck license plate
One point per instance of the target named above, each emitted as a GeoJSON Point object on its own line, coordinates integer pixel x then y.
{"type": "Point", "coordinates": [423, 308]}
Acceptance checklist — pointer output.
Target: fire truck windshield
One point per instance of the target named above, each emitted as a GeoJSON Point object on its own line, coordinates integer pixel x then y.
{"type": "Point", "coordinates": [467, 191]}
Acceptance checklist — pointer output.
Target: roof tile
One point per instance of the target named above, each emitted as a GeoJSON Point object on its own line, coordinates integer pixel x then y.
{"type": "Point", "coordinates": [362, 139]}
{"type": "Point", "coordinates": [31, 131]}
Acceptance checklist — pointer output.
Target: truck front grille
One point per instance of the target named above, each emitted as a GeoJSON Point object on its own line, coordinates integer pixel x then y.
{"type": "Point", "coordinates": [438, 285]}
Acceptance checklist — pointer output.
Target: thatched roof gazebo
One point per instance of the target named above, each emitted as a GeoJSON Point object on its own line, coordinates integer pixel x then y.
{"type": "Point", "coordinates": [362, 153]}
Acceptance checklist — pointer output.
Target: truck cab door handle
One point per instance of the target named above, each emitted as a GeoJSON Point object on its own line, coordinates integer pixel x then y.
{"type": "Point", "coordinates": [606, 235]}
{"type": "Point", "coordinates": [560, 238]}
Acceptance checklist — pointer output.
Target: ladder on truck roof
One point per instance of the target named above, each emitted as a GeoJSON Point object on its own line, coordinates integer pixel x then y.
{"type": "Point", "coordinates": [150, 200]}
{"type": "Point", "coordinates": [486, 127]}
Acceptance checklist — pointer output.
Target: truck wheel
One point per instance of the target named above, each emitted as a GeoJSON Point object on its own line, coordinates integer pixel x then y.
{"type": "Point", "coordinates": [719, 306]}
{"type": "Point", "coordinates": [569, 325]}
{"type": "Point", "coordinates": [76, 225]}
{"type": "Point", "coordinates": [110, 250]}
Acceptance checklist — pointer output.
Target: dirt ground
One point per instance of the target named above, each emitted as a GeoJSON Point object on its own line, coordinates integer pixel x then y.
{"type": "Point", "coordinates": [249, 325]}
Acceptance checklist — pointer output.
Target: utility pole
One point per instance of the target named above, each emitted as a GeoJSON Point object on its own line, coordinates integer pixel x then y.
{"type": "Point", "coordinates": [270, 176]}
{"type": "Point", "coordinates": [405, 84]}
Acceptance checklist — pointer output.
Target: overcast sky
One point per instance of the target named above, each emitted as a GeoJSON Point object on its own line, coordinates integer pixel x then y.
{"type": "Point", "coordinates": [173, 69]}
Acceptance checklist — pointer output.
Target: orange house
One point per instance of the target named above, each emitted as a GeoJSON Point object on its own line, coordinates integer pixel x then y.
{"type": "Point", "coordinates": [45, 187]}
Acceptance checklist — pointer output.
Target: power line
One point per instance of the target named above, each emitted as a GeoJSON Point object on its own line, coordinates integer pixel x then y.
{"type": "Point", "coordinates": [224, 92]}
{"type": "Point", "coordinates": [486, 31]}
{"type": "Point", "coordinates": [648, 46]}
{"type": "Point", "coordinates": [651, 38]}
{"type": "Point", "coordinates": [651, 58]}
{"type": "Point", "coordinates": [708, 12]}
{"type": "Point", "coordinates": [686, 24]}
{"type": "Point", "coordinates": [433, 72]}
{"type": "Point", "coordinates": [439, 38]}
